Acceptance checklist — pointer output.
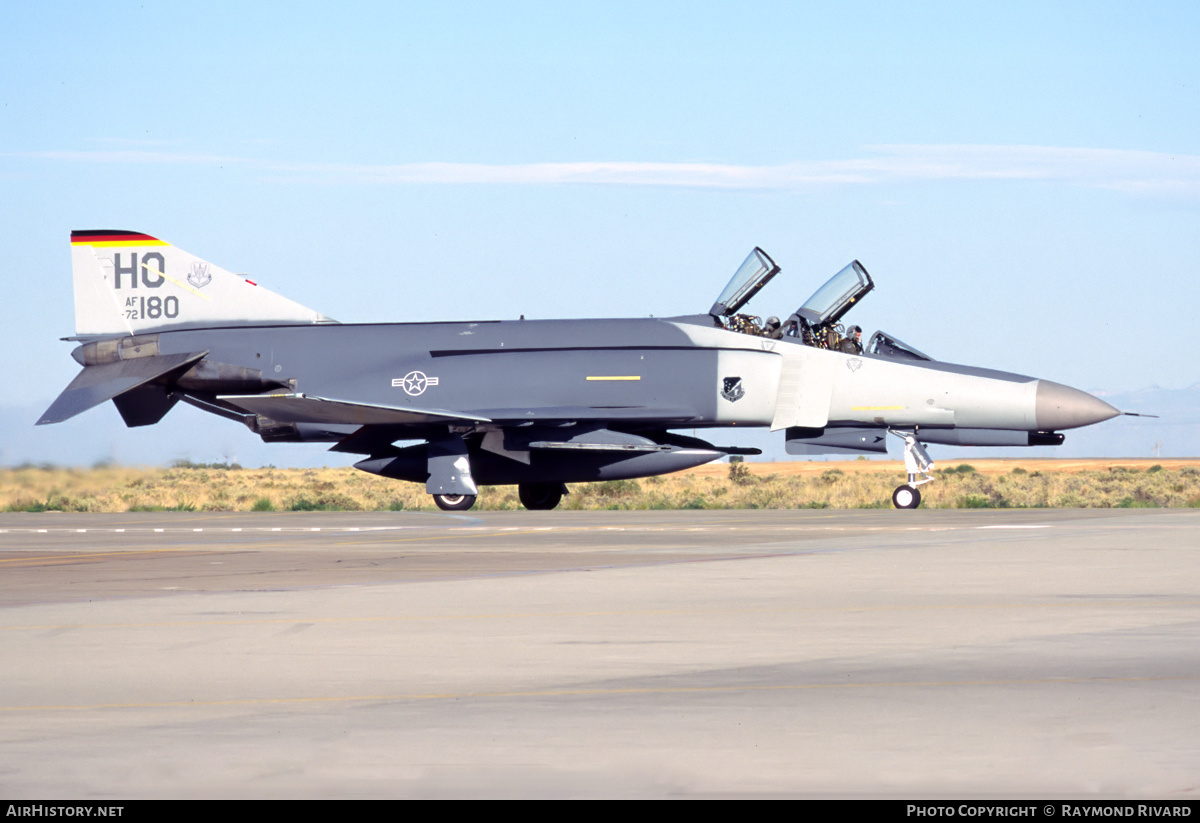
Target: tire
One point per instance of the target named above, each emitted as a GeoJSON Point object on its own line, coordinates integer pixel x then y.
{"type": "Point", "coordinates": [454, 502]}
{"type": "Point", "coordinates": [906, 497]}
{"type": "Point", "coordinates": [540, 496]}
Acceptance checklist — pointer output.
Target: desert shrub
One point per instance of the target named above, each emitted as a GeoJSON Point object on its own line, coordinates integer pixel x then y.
{"type": "Point", "coordinates": [324, 503]}
{"type": "Point", "coordinates": [613, 488]}
{"type": "Point", "coordinates": [739, 473]}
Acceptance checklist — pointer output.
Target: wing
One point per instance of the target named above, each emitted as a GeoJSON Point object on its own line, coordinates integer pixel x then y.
{"type": "Point", "coordinates": [380, 425]}
{"type": "Point", "coordinates": [302, 408]}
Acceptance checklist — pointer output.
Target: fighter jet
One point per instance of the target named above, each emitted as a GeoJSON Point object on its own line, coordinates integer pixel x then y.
{"type": "Point", "coordinates": [536, 403]}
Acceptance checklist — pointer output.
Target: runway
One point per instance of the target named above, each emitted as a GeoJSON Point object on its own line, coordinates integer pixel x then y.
{"type": "Point", "coordinates": [1024, 653]}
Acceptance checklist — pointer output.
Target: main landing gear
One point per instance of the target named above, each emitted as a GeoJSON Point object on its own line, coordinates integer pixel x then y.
{"type": "Point", "coordinates": [916, 462]}
{"type": "Point", "coordinates": [534, 496]}
{"type": "Point", "coordinates": [454, 502]}
{"type": "Point", "coordinates": [540, 496]}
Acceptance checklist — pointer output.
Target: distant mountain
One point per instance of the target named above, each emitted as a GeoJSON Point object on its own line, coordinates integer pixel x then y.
{"type": "Point", "coordinates": [100, 436]}
{"type": "Point", "coordinates": [1175, 432]}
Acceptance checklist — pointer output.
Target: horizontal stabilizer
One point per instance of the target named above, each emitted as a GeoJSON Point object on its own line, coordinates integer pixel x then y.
{"type": "Point", "coordinates": [98, 383]}
{"type": "Point", "coordinates": [301, 408]}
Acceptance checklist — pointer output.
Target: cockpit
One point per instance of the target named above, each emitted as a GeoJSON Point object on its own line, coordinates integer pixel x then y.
{"type": "Point", "coordinates": [817, 322]}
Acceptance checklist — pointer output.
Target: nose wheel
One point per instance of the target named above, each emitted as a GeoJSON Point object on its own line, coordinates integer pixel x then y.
{"type": "Point", "coordinates": [906, 497]}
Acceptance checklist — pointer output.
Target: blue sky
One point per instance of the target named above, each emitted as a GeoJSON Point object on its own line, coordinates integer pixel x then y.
{"type": "Point", "coordinates": [1021, 179]}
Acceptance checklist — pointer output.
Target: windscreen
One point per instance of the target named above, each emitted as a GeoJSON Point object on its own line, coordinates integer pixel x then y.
{"type": "Point", "coordinates": [886, 345]}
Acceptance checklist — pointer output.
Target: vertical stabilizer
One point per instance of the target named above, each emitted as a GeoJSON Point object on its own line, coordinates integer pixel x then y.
{"type": "Point", "coordinates": [127, 282]}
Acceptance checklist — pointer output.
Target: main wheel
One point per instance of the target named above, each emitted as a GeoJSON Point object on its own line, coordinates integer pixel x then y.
{"type": "Point", "coordinates": [535, 496]}
{"type": "Point", "coordinates": [906, 497]}
{"type": "Point", "coordinates": [454, 502]}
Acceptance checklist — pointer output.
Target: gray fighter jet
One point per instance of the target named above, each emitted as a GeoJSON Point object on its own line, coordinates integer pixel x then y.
{"type": "Point", "coordinates": [538, 404]}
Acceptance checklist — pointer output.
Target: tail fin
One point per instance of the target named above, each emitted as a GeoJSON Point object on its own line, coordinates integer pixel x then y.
{"type": "Point", "coordinates": [127, 282]}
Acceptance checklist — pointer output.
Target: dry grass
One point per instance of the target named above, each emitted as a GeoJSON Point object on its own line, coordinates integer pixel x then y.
{"type": "Point", "coordinates": [842, 485]}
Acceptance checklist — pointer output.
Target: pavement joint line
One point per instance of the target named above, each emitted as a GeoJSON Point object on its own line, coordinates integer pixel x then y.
{"type": "Point", "coordinates": [492, 616]}
{"type": "Point", "coordinates": [583, 692]}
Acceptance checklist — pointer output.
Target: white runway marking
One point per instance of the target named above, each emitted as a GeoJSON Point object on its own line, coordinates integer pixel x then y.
{"type": "Point", "coordinates": [227, 529]}
{"type": "Point", "coordinates": [1016, 526]}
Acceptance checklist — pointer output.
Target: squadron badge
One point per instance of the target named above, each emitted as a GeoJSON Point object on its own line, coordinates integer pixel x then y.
{"type": "Point", "coordinates": [733, 390]}
{"type": "Point", "coordinates": [199, 276]}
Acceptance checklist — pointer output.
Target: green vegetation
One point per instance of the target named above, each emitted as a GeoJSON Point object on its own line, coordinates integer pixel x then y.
{"type": "Point", "coordinates": [850, 484]}
{"type": "Point", "coordinates": [977, 501]}
{"type": "Point", "coordinates": [183, 463]}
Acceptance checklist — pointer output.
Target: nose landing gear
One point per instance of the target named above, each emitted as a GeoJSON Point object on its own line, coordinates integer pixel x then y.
{"type": "Point", "coordinates": [916, 462]}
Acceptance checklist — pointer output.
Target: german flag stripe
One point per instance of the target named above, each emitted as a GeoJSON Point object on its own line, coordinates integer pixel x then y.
{"type": "Point", "coordinates": [112, 237]}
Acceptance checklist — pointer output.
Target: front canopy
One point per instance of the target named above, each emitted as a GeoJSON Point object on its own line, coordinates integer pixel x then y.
{"type": "Point", "coordinates": [752, 275]}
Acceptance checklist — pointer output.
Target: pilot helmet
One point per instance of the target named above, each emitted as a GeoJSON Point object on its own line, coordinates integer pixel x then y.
{"type": "Point", "coordinates": [855, 332]}
{"type": "Point", "coordinates": [772, 322]}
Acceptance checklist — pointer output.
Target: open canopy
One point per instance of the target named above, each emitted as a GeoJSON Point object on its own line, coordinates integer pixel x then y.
{"type": "Point", "coordinates": [752, 275]}
{"type": "Point", "coordinates": [834, 299]}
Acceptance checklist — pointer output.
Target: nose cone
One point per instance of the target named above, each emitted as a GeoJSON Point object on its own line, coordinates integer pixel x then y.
{"type": "Point", "coordinates": [1062, 407]}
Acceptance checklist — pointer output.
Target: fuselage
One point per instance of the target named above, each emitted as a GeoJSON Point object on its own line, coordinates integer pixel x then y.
{"type": "Point", "coordinates": [662, 373]}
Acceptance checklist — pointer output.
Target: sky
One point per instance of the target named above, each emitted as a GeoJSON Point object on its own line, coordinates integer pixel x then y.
{"type": "Point", "coordinates": [1022, 180]}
